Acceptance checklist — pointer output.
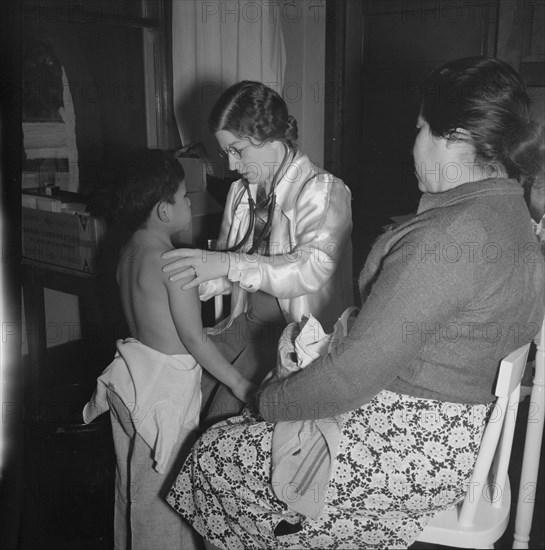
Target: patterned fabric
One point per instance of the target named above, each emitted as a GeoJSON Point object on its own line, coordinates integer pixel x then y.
{"type": "Point", "coordinates": [261, 216]}
{"type": "Point", "coordinates": [400, 460]}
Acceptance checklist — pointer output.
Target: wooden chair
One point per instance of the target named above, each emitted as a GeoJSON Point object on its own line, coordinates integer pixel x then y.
{"type": "Point", "coordinates": [532, 450]}
{"type": "Point", "coordinates": [482, 517]}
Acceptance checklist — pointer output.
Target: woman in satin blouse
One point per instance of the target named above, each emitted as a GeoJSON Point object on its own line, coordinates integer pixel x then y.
{"type": "Point", "coordinates": [284, 247]}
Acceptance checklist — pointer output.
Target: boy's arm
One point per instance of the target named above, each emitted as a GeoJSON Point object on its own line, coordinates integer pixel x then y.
{"type": "Point", "coordinates": [185, 308]}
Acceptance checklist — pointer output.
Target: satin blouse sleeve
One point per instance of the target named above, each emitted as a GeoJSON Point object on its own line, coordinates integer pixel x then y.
{"type": "Point", "coordinates": [318, 226]}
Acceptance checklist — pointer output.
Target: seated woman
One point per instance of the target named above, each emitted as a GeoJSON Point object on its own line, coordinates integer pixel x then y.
{"type": "Point", "coordinates": [448, 294]}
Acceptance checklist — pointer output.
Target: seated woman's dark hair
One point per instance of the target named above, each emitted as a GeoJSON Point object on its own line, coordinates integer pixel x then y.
{"type": "Point", "coordinates": [252, 110]}
{"type": "Point", "coordinates": [143, 178]}
{"type": "Point", "coordinates": [488, 99]}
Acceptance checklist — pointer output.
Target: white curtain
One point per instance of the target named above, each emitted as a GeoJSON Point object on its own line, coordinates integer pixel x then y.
{"type": "Point", "coordinates": [217, 43]}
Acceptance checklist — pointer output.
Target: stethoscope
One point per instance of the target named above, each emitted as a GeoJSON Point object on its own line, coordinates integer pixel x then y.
{"type": "Point", "coordinates": [271, 198]}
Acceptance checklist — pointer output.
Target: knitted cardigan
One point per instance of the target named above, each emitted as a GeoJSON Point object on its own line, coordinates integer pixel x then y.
{"type": "Point", "coordinates": [447, 295]}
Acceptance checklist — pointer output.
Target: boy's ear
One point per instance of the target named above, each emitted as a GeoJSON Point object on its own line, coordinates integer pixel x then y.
{"type": "Point", "coordinates": [162, 211]}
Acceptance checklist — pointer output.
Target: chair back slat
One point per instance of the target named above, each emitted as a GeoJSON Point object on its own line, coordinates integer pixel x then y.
{"type": "Point", "coordinates": [540, 337]}
{"type": "Point", "coordinates": [479, 478]}
{"type": "Point", "coordinates": [218, 300]}
{"type": "Point", "coordinates": [502, 420]}
{"type": "Point", "coordinates": [503, 455]}
{"type": "Point", "coordinates": [511, 371]}
{"type": "Point", "coordinates": [540, 349]}
{"type": "Point", "coordinates": [531, 457]}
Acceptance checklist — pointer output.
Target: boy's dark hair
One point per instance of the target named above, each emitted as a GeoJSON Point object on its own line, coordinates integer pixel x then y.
{"type": "Point", "coordinates": [144, 178]}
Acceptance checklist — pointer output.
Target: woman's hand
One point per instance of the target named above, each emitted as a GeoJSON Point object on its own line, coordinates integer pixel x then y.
{"type": "Point", "coordinates": [196, 265]}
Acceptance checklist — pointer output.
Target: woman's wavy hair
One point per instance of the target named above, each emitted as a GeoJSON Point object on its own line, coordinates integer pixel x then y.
{"type": "Point", "coordinates": [252, 110]}
{"type": "Point", "coordinates": [487, 98]}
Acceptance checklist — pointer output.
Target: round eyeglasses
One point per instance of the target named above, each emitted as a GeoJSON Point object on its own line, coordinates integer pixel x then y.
{"type": "Point", "coordinates": [235, 152]}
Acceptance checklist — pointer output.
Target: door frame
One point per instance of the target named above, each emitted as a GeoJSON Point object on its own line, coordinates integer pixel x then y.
{"type": "Point", "coordinates": [335, 39]}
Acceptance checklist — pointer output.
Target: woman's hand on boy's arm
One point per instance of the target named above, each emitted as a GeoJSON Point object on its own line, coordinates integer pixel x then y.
{"type": "Point", "coordinates": [195, 266]}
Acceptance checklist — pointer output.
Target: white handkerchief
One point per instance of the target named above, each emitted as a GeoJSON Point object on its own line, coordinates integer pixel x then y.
{"type": "Point", "coordinates": [301, 343]}
{"type": "Point", "coordinates": [311, 342]}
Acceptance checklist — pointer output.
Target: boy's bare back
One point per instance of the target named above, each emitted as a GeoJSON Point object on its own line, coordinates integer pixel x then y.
{"type": "Point", "coordinates": [144, 294]}
{"type": "Point", "coordinates": [153, 203]}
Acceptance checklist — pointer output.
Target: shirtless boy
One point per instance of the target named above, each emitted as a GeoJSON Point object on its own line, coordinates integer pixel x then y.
{"type": "Point", "coordinates": [170, 346]}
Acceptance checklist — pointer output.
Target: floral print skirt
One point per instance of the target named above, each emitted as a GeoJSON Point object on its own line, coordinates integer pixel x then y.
{"type": "Point", "coordinates": [400, 460]}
